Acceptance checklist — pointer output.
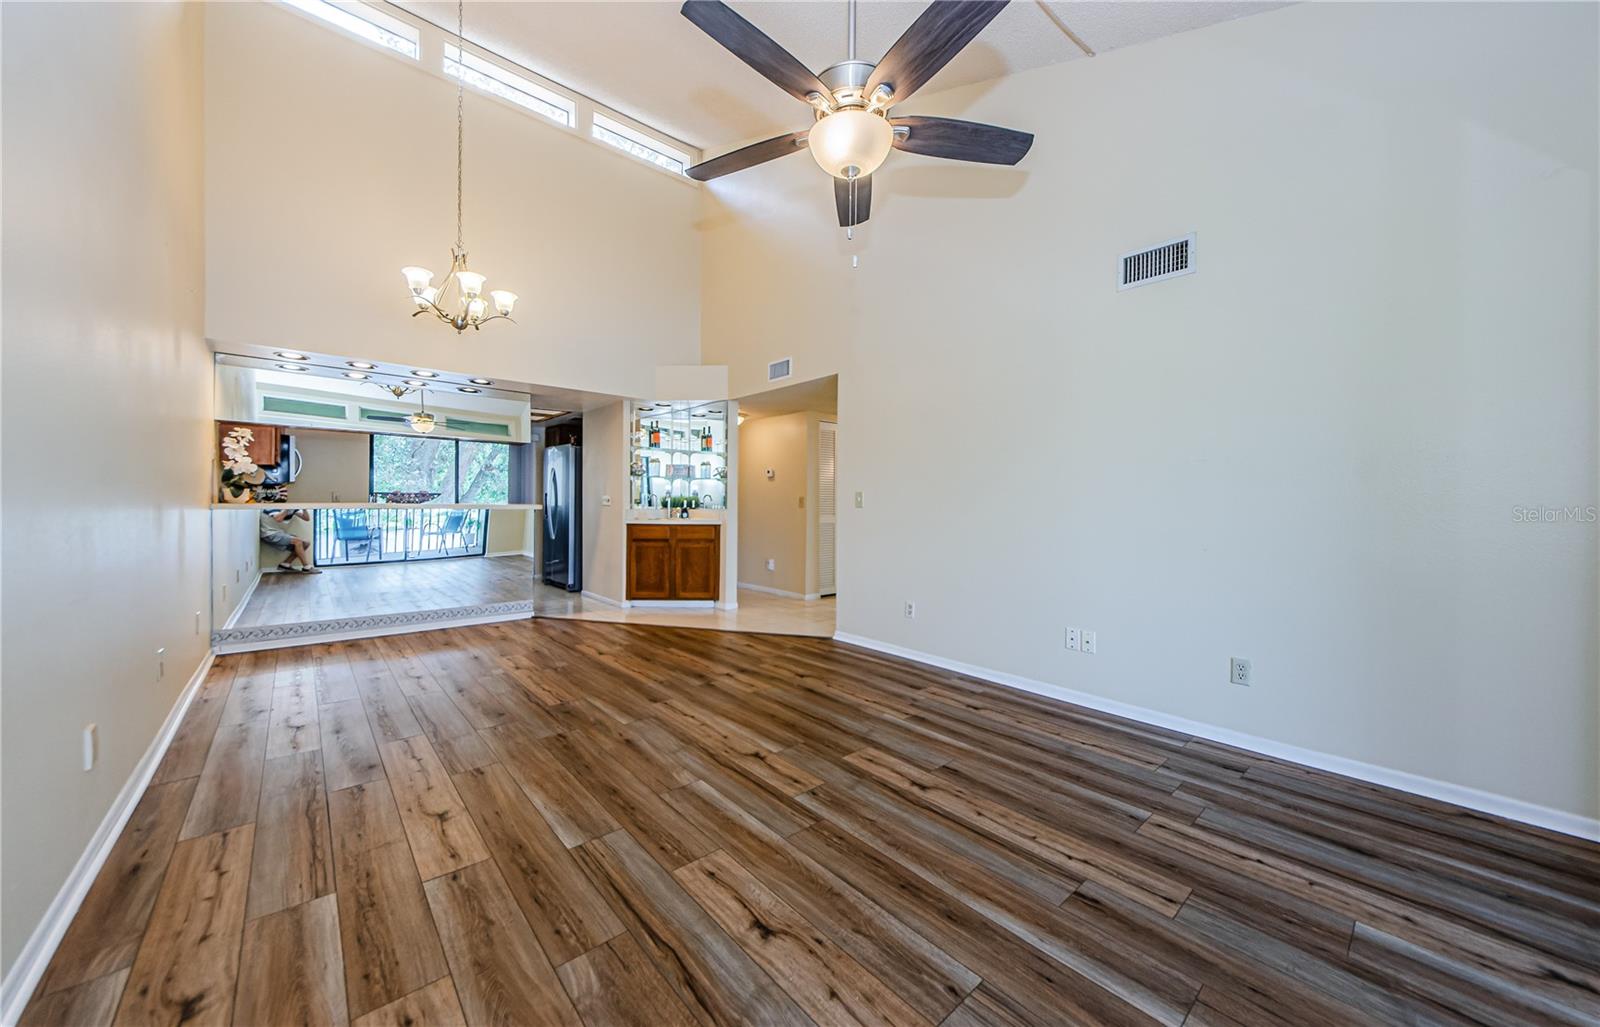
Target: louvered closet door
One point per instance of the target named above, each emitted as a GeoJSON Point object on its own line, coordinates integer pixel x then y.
{"type": "Point", "coordinates": [827, 505]}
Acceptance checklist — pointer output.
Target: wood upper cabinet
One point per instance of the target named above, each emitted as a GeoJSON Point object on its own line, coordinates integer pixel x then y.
{"type": "Point", "coordinates": [264, 447]}
{"type": "Point", "coordinates": [674, 561]}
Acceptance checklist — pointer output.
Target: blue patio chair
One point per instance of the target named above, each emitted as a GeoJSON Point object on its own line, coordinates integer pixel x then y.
{"type": "Point", "coordinates": [454, 524]}
{"type": "Point", "coordinates": [354, 526]}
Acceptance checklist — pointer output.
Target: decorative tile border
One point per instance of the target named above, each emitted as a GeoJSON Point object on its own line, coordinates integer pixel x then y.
{"type": "Point", "coordinates": [270, 636]}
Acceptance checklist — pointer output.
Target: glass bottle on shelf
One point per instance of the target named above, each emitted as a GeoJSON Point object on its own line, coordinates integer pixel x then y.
{"type": "Point", "coordinates": [655, 434]}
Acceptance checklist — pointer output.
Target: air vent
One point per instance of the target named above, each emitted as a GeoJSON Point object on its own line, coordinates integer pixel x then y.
{"type": "Point", "coordinates": [1168, 260]}
{"type": "Point", "coordinates": [779, 369]}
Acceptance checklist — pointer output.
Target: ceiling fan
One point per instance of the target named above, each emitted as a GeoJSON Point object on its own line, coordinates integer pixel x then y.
{"type": "Point", "coordinates": [853, 131]}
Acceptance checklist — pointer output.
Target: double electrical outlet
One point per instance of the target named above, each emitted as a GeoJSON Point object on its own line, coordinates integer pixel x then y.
{"type": "Point", "coordinates": [1081, 640]}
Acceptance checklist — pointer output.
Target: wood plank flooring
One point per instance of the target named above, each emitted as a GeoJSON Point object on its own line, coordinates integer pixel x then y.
{"type": "Point", "coordinates": [366, 589]}
{"type": "Point", "coordinates": [586, 824]}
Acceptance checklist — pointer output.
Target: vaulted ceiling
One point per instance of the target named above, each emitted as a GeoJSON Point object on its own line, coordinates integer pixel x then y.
{"type": "Point", "coordinates": [646, 61]}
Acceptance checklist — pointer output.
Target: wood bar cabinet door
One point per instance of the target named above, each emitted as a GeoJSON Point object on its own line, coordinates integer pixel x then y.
{"type": "Point", "coordinates": [695, 566]}
{"type": "Point", "coordinates": [649, 561]}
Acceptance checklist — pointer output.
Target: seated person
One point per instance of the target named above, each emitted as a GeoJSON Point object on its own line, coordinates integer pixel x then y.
{"type": "Point", "coordinates": [274, 534]}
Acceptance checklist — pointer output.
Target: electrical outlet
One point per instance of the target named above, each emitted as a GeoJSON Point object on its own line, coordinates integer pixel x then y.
{"type": "Point", "coordinates": [1087, 642]}
{"type": "Point", "coordinates": [1239, 671]}
{"type": "Point", "coordinates": [772, 565]}
{"type": "Point", "coordinates": [605, 500]}
{"type": "Point", "coordinates": [858, 501]}
{"type": "Point", "coordinates": [91, 745]}
{"type": "Point", "coordinates": [911, 609]}
{"type": "Point", "coordinates": [161, 663]}
{"type": "Point", "coordinates": [1072, 639]}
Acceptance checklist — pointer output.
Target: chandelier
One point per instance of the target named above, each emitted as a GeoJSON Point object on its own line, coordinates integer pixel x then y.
{"type": "Point", "coordinates": [467, 308]}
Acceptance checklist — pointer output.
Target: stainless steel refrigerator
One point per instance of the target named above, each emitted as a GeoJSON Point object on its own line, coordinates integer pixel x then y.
{"type": "Point", "coordinates": [563, 517]}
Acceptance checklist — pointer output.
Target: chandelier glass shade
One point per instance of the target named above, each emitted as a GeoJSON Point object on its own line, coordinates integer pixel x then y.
{"type": "Point", "coordinates": [850, 143]}
{"type": "Point", "coordinates": [458, 302]}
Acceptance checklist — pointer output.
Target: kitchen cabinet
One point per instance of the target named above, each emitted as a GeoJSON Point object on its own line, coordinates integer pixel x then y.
{"type": "Point", "coordinates": [264, 447]}
{"type": "Point", "coordinates": [674, 561]}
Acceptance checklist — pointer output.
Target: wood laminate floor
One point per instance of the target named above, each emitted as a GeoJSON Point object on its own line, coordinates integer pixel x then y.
{"type": "Point", "coordinates": [361, 590]}
{"type": "Point", "coordinates": [582, 824]}
{"type": "Point", "coordinates": [758, 612]}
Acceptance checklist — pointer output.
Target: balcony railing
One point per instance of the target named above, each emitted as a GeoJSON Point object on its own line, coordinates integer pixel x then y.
{"type": "Point", "coordinates": [397, 534]}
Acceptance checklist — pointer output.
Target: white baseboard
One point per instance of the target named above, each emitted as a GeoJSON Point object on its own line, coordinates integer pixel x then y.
{"type": "Point", "coordinates": [244, 600]}
{"type": "Point", "coordinates": [41, 944]}
{"type": "Point", "coordinates": [510, 552]}
{"type": "Point", "coordinates": [672, 604]}
{"type": "Point", "coordinates": [597, 597]}
{"type": "Point", "coordinates": [809, 597]}
{"type": "Point", "coordinates": [1473, 798]}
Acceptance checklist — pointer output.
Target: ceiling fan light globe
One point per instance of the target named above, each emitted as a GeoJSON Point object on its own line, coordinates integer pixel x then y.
{"type": "Point", "coordinates": [421, 423]}
{"type": "Point", "coordinates": [850, 143]}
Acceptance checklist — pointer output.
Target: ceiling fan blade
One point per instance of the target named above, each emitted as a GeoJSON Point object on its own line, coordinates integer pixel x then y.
{"type": "Point", "coordinates": [961, 140]}
{"type": "Point", "coordinates": [853, 197]}
{"type": "Point", "coordinates": [747, 157]}
{"type": "Point", "coordinates": [937, 35]}
{"type": "Point", "coordinates": [754, 47]}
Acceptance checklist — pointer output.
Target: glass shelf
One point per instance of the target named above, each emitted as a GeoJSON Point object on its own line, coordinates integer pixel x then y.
{"type": "Point", "coordinates": [689, 437]}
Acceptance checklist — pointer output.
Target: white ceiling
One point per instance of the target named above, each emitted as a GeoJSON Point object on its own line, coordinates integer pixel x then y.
{"type": "Point", "coordinates": [648, 62]}
{"type": "Point", "coordinates": [820, 396]}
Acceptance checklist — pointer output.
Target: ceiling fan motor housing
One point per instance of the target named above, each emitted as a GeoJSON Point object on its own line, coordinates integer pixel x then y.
{"type": "Point", "coordinates": [847, 80]}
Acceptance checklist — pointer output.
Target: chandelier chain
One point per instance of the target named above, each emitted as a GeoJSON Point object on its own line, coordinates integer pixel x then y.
{"type": "Point", "coordinates": [461, 85]}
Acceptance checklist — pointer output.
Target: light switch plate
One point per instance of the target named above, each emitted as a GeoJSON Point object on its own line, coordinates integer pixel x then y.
{"type": "Point", "coordinates": [858, 500]}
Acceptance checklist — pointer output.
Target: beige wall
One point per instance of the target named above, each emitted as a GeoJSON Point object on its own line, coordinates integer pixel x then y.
{"type": "Point", "coordinates": [105, 558]}
{"type": "Point", "coordinates": [331, 165]}
{"type": "Point", "coordinates": [777, 516]}
{"type": "Point", "coordinates": [1309, 453]}
{"type": "Point", "coordinates": [508, 531]}
{"type": "Point", "coordinates": [336, 466]}
{"type": "Point", "coordinates": [236, 560]}
{"type": "Point", "coordinates": [605, 473]}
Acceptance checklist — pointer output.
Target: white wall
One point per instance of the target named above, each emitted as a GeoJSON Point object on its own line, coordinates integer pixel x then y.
{"type": "Point", "coordinates": [106, 415]}
{"type": "Point", "coordinates": [331, 165]}
{"type": "Point", "coordinates": [1308, 454]}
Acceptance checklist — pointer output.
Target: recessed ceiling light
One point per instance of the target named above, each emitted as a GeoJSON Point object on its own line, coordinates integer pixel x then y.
{"type": "Point", "coordinates": [357, 376]}
{"type": "Point", "coordinates": [415, 384]}
{"type": "Point", "coordinates": [480, 381]}
{"type": "Point", "coordinates": [291, 367]}
{"type": "Point", "coordinates": [287, 355]}
{"type": "Point", "coordinates": [360, 365]}
{"type": "Point", "coordinates": [426, 374]}
{"type": "Point", "coordinates": [467, 388]}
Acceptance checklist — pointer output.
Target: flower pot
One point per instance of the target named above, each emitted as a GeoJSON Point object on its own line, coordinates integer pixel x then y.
{"type": "Point", "coordinates": [228, 496]}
